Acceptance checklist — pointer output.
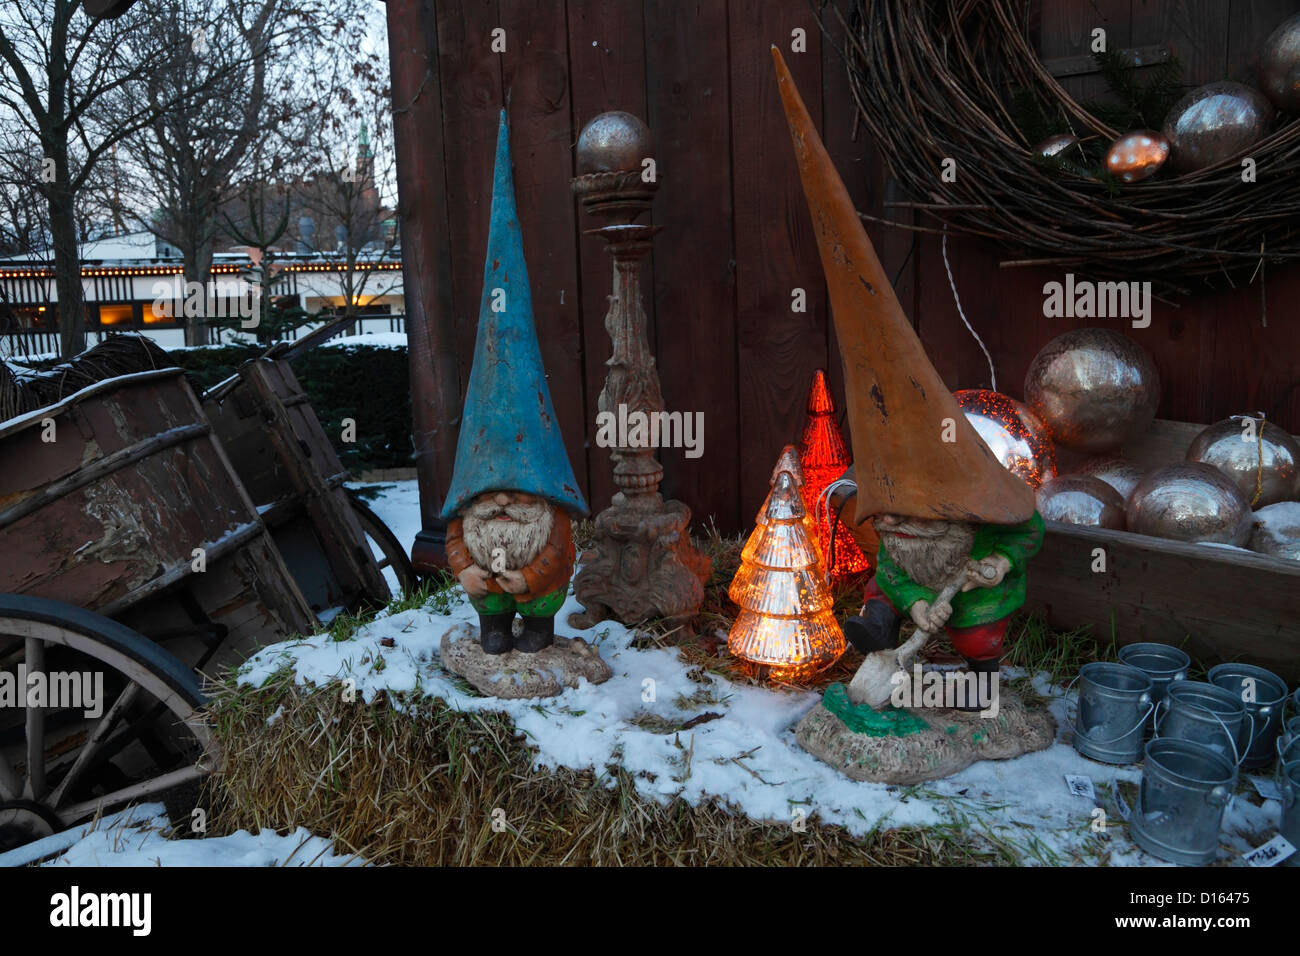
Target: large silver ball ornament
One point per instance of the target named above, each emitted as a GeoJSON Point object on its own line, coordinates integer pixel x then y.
{"type": "Point", "coordinates": [1256, 455]}
{"type": "Point", "coordinates": [1137, 155]}
{"type": "Point", "coordinates": [1276, 531]}
{"type": "Point", "coordinates": [1013, 433]}
{"type": "Point", "coordinates": [1279, 65]}
{"type": "Point", "coordinates": [1190, 502]}
{"type": "Point", "coordinates": [1094, 388]}
{"type": "Point", "coordinates": [1215, 122]}
{"type": "Point", "coordinates": [614, 142]}
{"type": "Point", "coordinates": [1120, 473]}
{"type": "Point", "coordinates": [1082, 500]}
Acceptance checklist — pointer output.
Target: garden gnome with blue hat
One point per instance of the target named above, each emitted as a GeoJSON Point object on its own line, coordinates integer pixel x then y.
{"type": "Point", "coordinates": [513, 490]}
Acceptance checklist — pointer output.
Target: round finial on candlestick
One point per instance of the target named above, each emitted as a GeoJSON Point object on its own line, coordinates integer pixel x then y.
{"type": "Point", "coordinates": [614, 142]}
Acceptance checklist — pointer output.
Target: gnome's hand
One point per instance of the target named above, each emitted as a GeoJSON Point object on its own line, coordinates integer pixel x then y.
{"type": "Point", "coordinates": [474, 580]}
{"type": "Point", "coordinates": [987, 572]}
{"type": "Point", "coordinates": [930, 618]}
{"type": "Point", "coordinates": [512, 582]}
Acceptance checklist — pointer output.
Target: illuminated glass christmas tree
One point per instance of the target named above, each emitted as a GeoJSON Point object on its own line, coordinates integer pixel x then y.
{"type": "Point", "coordinates": [785, 621]}
{"type": "Point", "coordinates": [824, 458]}
{"type": "Point", "coordinates": [789, 461]}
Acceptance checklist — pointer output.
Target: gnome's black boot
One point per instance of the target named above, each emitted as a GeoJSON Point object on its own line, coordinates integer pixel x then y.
{"type": "Point", "coordinates": [494, 632]}
{"type": "Point", "coordinates": [986, 688]}
{"type": "Point", "coordinates": [539, 632]}
{"type": "Point", "coordinates": [875, 629]}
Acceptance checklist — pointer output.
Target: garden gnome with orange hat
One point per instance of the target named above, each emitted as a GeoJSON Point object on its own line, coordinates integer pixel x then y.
{"type": "Point", "coordinates": [513, 489]}
{"type": "Point", "coordinates": [956, 528]}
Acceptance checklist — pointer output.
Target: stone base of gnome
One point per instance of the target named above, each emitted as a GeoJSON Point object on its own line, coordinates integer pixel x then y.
{"type": "Point", "coordinates": [936, 742]}
{"type": "Point", "coordinates": [520, 675]}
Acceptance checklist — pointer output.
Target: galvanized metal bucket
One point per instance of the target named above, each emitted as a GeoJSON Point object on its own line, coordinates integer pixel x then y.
{"type": "Point", "coordinates": [1290, 731]}
{"type": "Point", "coordinates": [1207, 715]}
{"type": "Point", "coordinates": [1263, 694]}
{"type": "Point", "coordinates": [1163, 663]}
{"type": "Point", "coordinates": [1290, 827]}
{"type": "Point", "coordinates": [1289, 752]}
{"type": "Point", "coordinates": [1112, 711]}
{"type": "Point", "coordinates": [1181, 799]}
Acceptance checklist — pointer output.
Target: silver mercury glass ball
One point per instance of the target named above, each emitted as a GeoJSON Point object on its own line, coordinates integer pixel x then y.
{"type": "Point", "coordinates": [1276, 530]}
{"type": "Point", "coordinates": [1055, 145]}
{"type": "Point", "coordinates": [1262, 456]}
{"type": "Point", "coordinates": [1082, 500]}
{"type": "Point", "coordinates": [1190, 502]}
{"type": "Point", "coordinates": [1215, 122]}
{"type": "Point", "coordinates": [1279, 65]}
{"type": "Point", "coordinates": [1120, 473]}
{"type": "Point", "coordinates": [614, 142]}
{"type": "Point", "coordinates": [1095, 389]}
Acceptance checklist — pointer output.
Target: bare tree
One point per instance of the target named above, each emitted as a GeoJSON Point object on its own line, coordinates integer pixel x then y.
{"type": "Point", "coordinates": [66, 79]}
{"type": "Point", "coordinates": [353, 202]}
{"type": "Point", "coordinates": [238, 90]}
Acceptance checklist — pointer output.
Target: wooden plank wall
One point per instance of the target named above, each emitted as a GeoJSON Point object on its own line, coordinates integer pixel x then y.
{"type": "Point", "coordinates": [738, 239]}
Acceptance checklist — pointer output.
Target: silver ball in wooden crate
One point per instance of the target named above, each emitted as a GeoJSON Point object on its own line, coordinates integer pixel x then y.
{"type": "Point", "coordinates": [1094, 388]}
{"type": "Point", "coordinates": [1257, 455]}
{"type": "Point", "coordinates": [1082, 500]}
{"type": "Point", "coordinates": [1120, 473]}
{"type": "Point", "coordinates": [1279, 65]}
{"type": "Point", "coordinates": [1137, 155]}
{"type": "Point", "coordinates": [614, 142]}
{"type": "Point", "coordinates": [1215, 122]}
{"type": "Point", "coordinates": [1276, 530]}
{"type": "Point", "coordinates": [1190, 502]}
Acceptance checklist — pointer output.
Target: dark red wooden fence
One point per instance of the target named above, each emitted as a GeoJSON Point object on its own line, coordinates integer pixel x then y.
{"type": "Point", "coordinates": [738, 240]}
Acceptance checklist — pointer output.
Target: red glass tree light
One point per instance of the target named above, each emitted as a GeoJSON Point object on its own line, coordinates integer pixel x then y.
{"type": "Point", "coordinates": [824, 457]}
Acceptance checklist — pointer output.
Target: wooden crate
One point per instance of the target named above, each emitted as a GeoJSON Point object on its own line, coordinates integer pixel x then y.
{"type": "Point", "coordinates": [1216, 603]}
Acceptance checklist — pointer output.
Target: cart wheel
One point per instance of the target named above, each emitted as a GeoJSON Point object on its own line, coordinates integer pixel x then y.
{"type": "Point", "coordinates": [389, 551]}
{"type": "Point", "coordinates": [112, 718]}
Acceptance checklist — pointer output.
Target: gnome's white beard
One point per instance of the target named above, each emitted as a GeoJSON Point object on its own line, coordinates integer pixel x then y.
{"type": "Point", "coordinates": [522, 538]}
{"type": "Point", "coordinates": [934, 561]}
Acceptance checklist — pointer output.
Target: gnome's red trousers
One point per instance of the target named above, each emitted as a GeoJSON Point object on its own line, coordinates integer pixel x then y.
{"type": "Point", "coordinates": [981, 642]}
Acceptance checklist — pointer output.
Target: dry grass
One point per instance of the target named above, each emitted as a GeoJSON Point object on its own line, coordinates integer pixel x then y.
{"type": "Point", "coordinates": [424, 787]}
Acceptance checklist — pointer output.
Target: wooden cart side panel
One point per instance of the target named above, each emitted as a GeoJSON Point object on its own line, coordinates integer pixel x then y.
{"type": "Point", "coordinates": [1216, 603]}
{"type": "Point", "coordinates": [313, 470]}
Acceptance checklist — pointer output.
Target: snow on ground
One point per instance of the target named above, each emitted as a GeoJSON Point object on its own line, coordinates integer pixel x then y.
{"type": "Point", "coordinates": [748, 758]}
{"type": "Point", "coordinates": [137, 839]}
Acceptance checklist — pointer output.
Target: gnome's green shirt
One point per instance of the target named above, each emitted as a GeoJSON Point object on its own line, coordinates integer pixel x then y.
{"type": "Point", "coordinates": [1018, 542]}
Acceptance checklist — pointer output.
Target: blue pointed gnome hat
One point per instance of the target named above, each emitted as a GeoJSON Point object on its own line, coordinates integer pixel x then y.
{"type": "Point", "coordinates": [509, 438]}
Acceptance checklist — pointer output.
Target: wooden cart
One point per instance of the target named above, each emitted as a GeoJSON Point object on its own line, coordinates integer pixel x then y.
{"type": "Point", "coordinates": [133, 559]}
{"type": "Point", "coordinates": [295, 478]}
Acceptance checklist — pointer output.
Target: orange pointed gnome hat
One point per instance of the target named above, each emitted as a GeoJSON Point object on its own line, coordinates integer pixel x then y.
{"type": "Point", "coordinates": [899, 408]}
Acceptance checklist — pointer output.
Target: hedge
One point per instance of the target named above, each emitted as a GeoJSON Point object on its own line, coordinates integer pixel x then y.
{"type": "Point", "coordinates": [366, 383]}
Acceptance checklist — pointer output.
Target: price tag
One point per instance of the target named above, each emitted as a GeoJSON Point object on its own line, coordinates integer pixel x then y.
{"type": "Point", "coordinates": [1080, 786]}
{"type": "Point", "coordinates": [1271, 853]}
{"type": "Point", "coordinates": [1267, 788]}
{"type": "Point", "coordinates": [1121, 804]}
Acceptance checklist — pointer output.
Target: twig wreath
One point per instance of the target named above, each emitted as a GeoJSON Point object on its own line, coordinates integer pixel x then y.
{"type": "Point", "coordinates": [937, 80]}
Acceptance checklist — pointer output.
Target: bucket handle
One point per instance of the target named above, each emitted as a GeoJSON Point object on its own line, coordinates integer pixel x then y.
{"type": "Point", "coordinates": [1238, 755]}
{"type": "Point", "coordinates": [1070, 723]}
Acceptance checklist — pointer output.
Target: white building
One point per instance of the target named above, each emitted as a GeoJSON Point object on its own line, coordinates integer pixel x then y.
{"type": "Point", "coordinates": [124, 277]}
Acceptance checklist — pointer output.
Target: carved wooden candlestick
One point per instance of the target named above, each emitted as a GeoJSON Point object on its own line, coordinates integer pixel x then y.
{"type": "Point", "coordinates": [641, 563]}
